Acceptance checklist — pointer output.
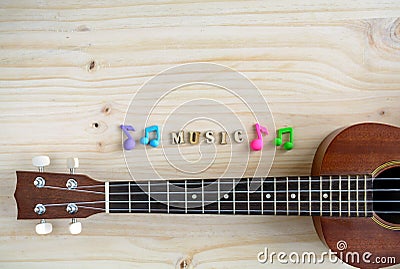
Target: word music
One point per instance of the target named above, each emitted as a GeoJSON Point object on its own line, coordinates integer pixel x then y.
{"type": "Point", "coordinates": [210, 137]}
{"type": "Point", "coordinates": [152, 137]}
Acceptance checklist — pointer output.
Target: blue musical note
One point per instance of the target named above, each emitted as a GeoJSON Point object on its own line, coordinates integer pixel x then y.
{"type": "Point", "coordinates": [129, 143]}
{"type": "Point", "coordinates": [146, 140]}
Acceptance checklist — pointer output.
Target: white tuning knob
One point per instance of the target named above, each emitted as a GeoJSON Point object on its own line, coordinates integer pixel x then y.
{"type": "Point", "coordinates": [40, 161]}
{"type": "Point", "coordinates": [72, 163]}
{"type": "Point", "coordinates": [75, 227]}
{"type": "Point", "coordinates": [44, 227]}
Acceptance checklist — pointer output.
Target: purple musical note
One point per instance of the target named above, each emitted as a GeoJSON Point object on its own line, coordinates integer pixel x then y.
{"type": "Point", "coordinates": [129, 143]}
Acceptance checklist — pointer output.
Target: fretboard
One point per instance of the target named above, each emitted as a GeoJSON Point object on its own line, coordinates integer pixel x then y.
{"type": "Point", "coordinates": [345, 196]}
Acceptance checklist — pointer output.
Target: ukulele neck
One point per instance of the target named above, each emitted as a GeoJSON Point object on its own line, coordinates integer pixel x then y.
{"type": "Point", "coordinates": [337, 196]}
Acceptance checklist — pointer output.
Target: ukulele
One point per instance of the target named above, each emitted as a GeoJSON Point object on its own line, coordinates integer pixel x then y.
{"type": "Point", "coordinates": [353, 195]}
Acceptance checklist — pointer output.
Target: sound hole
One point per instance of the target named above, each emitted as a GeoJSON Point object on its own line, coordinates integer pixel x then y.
{"type": "Point", "coordinates": [387, 195]}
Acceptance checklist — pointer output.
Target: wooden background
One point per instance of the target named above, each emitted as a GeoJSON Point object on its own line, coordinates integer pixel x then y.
{"type": "Point", "coordinates": [67, 65]}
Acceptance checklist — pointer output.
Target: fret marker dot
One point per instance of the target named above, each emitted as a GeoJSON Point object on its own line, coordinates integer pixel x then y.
{"type": "Point", "coordinates": [268, 196]}
{"type": "Point", "coordinates": [226, 196]}
{"type": "Point", "coordinates": [293, 196]}
{"type": "Point", "coordinates": [325, 195]}
{"type": "Point", "coordinates": [194, 196]}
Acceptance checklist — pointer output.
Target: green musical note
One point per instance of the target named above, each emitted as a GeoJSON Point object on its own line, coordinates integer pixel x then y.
{"type": "Point", "coordinates": [288, 144]}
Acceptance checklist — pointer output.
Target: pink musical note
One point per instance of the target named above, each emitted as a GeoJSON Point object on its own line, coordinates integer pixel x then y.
{"type": "Point", "coordinates": [257, 144]}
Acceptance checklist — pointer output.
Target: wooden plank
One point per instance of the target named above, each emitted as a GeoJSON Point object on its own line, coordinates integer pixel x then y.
{"type": "Point", "coordinates": [65, 66]}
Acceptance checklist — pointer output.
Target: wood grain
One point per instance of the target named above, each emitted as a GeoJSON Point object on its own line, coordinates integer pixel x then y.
{"type": "Point", "coordinates": [65, 66]}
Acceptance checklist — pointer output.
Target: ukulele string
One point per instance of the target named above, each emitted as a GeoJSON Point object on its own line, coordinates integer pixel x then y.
{"type": "Point", "coordinates": [77, 203]}
{"type": "Point", "coordinates": [207, 211]}
{"type": "Point", "coordinates": [252, 181]}
{"type": "Point", "coordinates": [75, 190]}
{"type": "Point", "coordinates": [343, 191]}
{"type": "Point", "coordinates": [343, 213]}
{"type": "Point", "coordinates": [179, 202]}
{"type": "Point", "coordinates": [346, 191]}
{"type": "Point", "coordinates": [222, 201]}
{"type": "Point", "coordinates": [224, 182]}
{"type": "Point", "coordinates": [236, 191]}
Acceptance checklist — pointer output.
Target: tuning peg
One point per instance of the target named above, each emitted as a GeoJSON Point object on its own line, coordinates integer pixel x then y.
{"type": "Point", "coordinates": [72, 164]}
{"type": "Point", "coordinates": [41, 162]}
{"type": "Point", "coordinates": [75, 227]}
{"type": "Point", "coordinates": [44, 227]}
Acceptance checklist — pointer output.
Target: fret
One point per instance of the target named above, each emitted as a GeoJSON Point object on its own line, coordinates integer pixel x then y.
{"type": "Point", "coordinates": [177, 197]}
{"type": "Point", "coordinates": [344, 195]}
{"type": "Point", "coordinates": [262, 195]}
{"type": "Point", "coordinates": [186, 202]}
{"type": "Point", "coordinates": [129, 195]}
{"type": "Point", "coordinates": [168, 196]}
{"type": "Point", "coordinates": [202, 196]}
{"type": "Point", "coordinates": [139, 197]}
{"type": "Point", "coordinates": [340, 196]}
{"type": "Point", "coordinates": [298, 197]}
{"type": "Point", "coordinates": [241, 194]}
{"type": "Point", "coordinates": [255, 201]}
{"type": "Point", "coordinates": [287, 196]}
{"type": "Point", "coordinates": [360, 197]}
{"type": "Point", "coordinates": [365, 196]}
{"type": "Point", "coordinates": [195, 204]}
{"type": "Point", "coordinates": [353, 196]}
{"type": "Point", "coordinates": [330, 196]}
{"type": "Point", "coordinates": [357, 205]}
{"type": "Point", "coordinates": [349, 195]}
{"type": "Point", "coordinates": [281, 196]}
{"type": "Point", "coordinates": [320, 196]}
{"type": "Point", "coordinates": [211, 195]}
{"type": "Point", "coordinates": [316, 196]}
{"type": "Point", "coordinates": [326, 196]}
{"type": "Point", "coordinates": [226, 197]}
{"type": "Point", "coordinates": [269, 196]}
{"type": "Point", "coordinates": [305, 203]}
{"type": "Point", "coordinates": [118, 197]}
{"type": "Point", "coordinates": [248, 196]}
{"type": "Point", "coordinates": [275, 195]}
{"type": "Point", "coordinates": [219, 196]}
{"type": "Point", "coordinates": [158, 196]}
{"type": "Point", "coordinates": [309, 195]}
{"type": "Point", "coordinates": [335, 195]}
{"type": "Point", "coordinates": [148, 194]}
{"type": "Point", "coordinates": [293, 202]}
{"type": "Point", "coordinates": [234, 195]}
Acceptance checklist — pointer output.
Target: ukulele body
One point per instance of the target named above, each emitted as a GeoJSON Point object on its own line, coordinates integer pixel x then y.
{"type": "Point", "coordinates": [360, 149]}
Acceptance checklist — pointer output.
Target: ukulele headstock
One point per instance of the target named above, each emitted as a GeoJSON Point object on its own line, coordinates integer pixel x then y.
{"type": "Point", "coordinates": [41, 195]}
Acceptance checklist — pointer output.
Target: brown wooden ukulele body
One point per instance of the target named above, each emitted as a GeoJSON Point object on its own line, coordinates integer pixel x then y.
{"type": "Point", "coordinates": [359, 149]}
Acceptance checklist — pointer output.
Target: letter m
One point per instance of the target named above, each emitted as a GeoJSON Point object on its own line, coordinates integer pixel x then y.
{"type": "Point", "coordinates": [177, 138]}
